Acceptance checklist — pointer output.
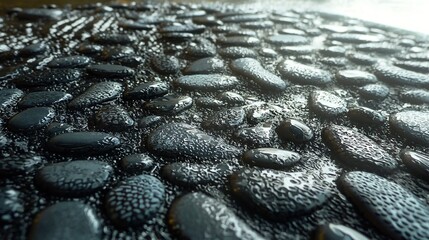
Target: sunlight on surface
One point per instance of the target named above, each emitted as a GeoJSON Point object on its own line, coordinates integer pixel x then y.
{"type": "Point", "coordinates": [407, 14]}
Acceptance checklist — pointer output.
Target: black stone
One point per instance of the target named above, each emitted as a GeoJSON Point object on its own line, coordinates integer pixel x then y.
{"type": "Point", "coordinates": [271, 158]}
{"type": "Point", "coordinates": [278, 195]}
{"type": "Point", "coordinates": [190, 215]}
{"type": "Point", "coordinates": [190, 174]}
{"type": "Point", "coordinates": [69, 62]}
{"type": "Point", "coordinates": [165, 64]}
{"type": "Point", "coordinates": [334, 61]}
{"type": "Point", "coordinates": [147, 90]}
{"type": "Point", "coordinates": [355, 77]}
{"type": "Point", "coordinates": [326, 104]}
{"type": "Point", "coordinates": [33, 50]}
{"type": "Point", "coordinates": [182, 28]}
{"type": "Point", "coordinates": [416, 66]}
{"type": "Point", "coordinates": [67, 221]}
{"type": "Point", "coordinates": [303, 74]}
{"type": "Point", "coordinates": [224, 119]}
{"type": "Point", "coordinates": [395, 75]}
{"type": "Point", "coordinates": [149, 121]}
{"type": "Point", "coordinates": [169, 104]}
{"type": "Point", "coordinates": [237, 52]}
{"type": "Point", "coordinates": [356, 38]}
{"type": "Point", "coordinates": [89, 49]}
{"type": "Point", "coordinates": [135, 201]}
{"type": "Point", "coordinates": [231, 98]}
{"type": "Point", "coordinates": [240, 18]}
{"type": "Point", "coordinates": [413, 125]}
{"type": "Point", "coordinates": [268, 52]}
{"type": "Point", "coordinates": [177, 37]}
{"type": "Point", "coordinates": [366, 116]}
{"type": "Point", "coordinates": [44, 98]}
{"type": "Point", "coordinates": [251, 68]}
{"type": "Point", "coordinates": [330, 231]}
{"type": "Point", "coordinates": [383, 48]}
{"type": "Point", "coordinates": [210, 103]}
{"type": "Point", "coordinates": [110, 71]}
{"type": "Point", "coordinates": [258, 136]}
{"type": "Point", "coordinates": [396, 212]}
{"type": "Point", "coordinates": [417, 163]}
{"type": "Point", "coordinates": [201, 48]}
{"type": "Point", "coordinates": [356, 150]}
{"type": "Point", "coordinates": [416, 96]}
{"type": "Point", "coordinates": [31, 119]}
{"type": "Point", "coordinates": [208, 21]}
{"type": "Point", "coordinates": [374, 91]}
{"type": "Point", "coordinates": [34, 14]}
{"type": "Point", "coordinates": [361, 59]}
{"type": "Point", "coordinates": [206, 82]}
{"type": "Point", "coordinates": [188, 142]}
{"type": "Point", "coordinates": [48, 77]}
{"type": "Point", "coordinates": [114, 118]}
{"type": "Point", "coordinates": [333, 51]}
{"type": "Point", "coordinates": [116, 53]}
{"type": "Point", "coordinates": [112, 38]}
{"type": "Point", "coordinates": [240, 32]}
{"type": "Point", "coordinates": [263, 113]}
{"type": "Point", "coordinates": [56, 128]}
{"type": "Point", "coordinates": [286, 39]}
{"type": "Point", "coordinates": [137, 163]}
{"type": "Point", "coordinates": [75, 178]}
{"type": "Point", "coordinates": [296, 50]}
{"type": "Point", "coordinates": [295, 131]}
{"type": "Point", "coordinates": [83, 143]}
{"type": "Point", "coordinates": [134, 25]}
{"type": "Point", "coordinates": [205, 66]}
{"type": "Point", "coordinates": [96, 94]}
{"type": "Point", "coordinates": [242, 41]}
{"type": "Point", "coordinates": [258, 25]}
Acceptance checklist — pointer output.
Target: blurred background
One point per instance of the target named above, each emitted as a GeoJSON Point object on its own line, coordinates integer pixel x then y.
{"type": "Point", "coordinates": [411, 15]}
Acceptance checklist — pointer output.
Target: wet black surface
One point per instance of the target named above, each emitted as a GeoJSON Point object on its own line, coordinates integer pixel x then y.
{"type": "Point", "coordinates": [183, 121]}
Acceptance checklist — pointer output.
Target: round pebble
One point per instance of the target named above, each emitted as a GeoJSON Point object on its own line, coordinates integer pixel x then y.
{"type": "Point", "coordinates": [75, 178]}
{"type": "Point", "coordinates": [31, 119]}
{"type": "Point", "coordinates": [135, 201]}
{"type": "Point", "coordinates": [66, 220]}
{"type": "Point", "coordinates": [295, 131]}
{"type": "Point", "coordinates": [271, 158]}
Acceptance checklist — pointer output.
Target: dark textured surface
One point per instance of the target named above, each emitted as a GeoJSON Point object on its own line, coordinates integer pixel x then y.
{"type": "Point", "coordinates": [142, 118]}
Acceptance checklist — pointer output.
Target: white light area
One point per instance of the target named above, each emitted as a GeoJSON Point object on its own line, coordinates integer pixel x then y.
{"type": "Point", "coordinates": [412, 15]}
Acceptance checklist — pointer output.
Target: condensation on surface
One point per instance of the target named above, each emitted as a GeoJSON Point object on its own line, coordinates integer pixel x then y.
{"type": "Point", "coordinates": [407, 14]}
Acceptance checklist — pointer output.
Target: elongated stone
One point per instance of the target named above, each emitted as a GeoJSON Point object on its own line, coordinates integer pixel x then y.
{"type": "Point", "coordinates": [96, 94]}
{"type": "Point", "coordinates": [303, 74]}
{"type": "Point", "coordinates": [417, 163]}
{"type": "Point", "coordinates": [392, 209]}
{"type": "Point", "coordinates": [66, 220]}
{"type": "Point", "coordinates": [395, 75]}
{"type": "Point", "coordinates": [31, 119]}
{"type": "Point", "coordinates": [75, 178]}
{"type": "Point", "coordinates": [206, 82]}
{"type": "Point", "coordinates": [413, 125]}
{"type": "Point", "coordinates": [357, 150]}
{"type": "Point", "coordinates": [251, 68]}
{"type": "Point", "coordinates": [277, 194]}
{"type": "Point", "coordinates": [87, 143]}
{"type": "Point", "coordinates": [189, 142]}
{"type": "Point", "coordinates": [135, 201]}
{"type": "Point", "coordinates": [271, 158]}
{"type": "Point", "coordinates": [190, 215]}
